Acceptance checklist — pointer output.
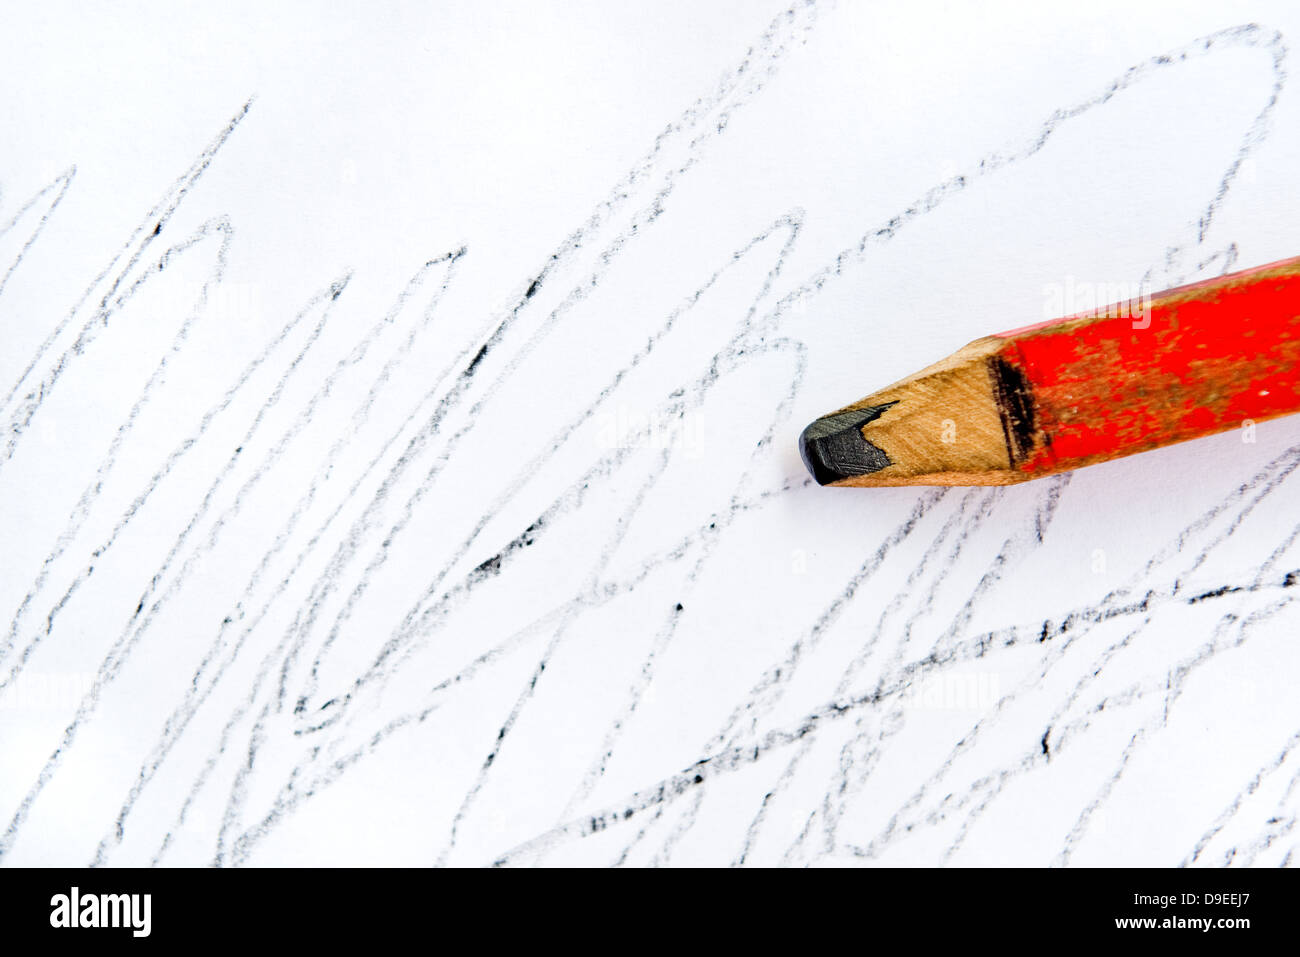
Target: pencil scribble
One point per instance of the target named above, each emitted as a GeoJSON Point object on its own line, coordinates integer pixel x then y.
{"type": "Point", "coordinates": [304, 677]}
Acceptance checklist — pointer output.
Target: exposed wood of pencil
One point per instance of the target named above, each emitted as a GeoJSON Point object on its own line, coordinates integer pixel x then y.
{"type": "Point", "coordinates": [1060, 395]}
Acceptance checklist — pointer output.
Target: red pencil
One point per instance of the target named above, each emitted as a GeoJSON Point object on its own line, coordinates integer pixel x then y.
{"type": "Point", "coordinates": [1129, 377]}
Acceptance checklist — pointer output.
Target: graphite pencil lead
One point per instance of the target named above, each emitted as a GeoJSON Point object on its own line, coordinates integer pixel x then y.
{"type": "Point", "coordinates": [833, 447]}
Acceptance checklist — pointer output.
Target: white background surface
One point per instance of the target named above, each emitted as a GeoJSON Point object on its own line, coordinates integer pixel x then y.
{"type": "Point", "coordinates": [324, 648]}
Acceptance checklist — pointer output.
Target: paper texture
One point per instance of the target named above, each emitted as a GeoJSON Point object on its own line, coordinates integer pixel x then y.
{"type": "Point", "coordinates": [399, 448]}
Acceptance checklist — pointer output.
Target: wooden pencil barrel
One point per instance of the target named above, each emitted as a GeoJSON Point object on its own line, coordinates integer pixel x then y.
{"type": "Point", "coordinates": [1194, 361]}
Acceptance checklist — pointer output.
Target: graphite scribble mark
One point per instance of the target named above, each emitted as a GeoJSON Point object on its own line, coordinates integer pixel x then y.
{"type": "Point", "coordinates": [280, 640]}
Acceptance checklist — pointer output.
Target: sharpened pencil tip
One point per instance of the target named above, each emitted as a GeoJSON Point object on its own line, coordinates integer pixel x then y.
{"type": "Point", "coordinates": [833, 447]}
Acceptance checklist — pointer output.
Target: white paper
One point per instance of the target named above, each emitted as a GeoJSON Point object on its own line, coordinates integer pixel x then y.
{"type": "Point", "coordinates": [399, 437]}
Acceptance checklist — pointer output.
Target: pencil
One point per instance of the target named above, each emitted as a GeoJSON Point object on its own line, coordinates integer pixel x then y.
{"type": "Point", "coordinates": [1088, 388]}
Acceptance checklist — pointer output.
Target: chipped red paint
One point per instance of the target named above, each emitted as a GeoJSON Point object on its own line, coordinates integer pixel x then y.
{"type": "Point", "coordinates": [1215, 354]}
